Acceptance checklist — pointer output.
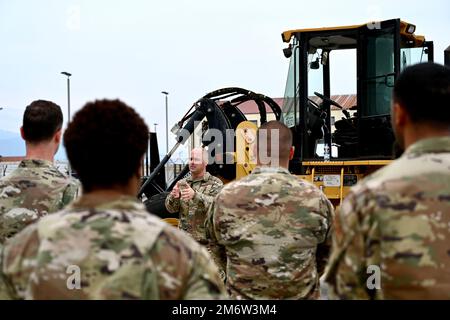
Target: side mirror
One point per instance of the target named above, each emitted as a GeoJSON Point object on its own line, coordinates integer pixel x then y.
{"type": "Point", "coordinates": [315, 64]}
{"type": "Point", "coordinates": [287, 51]}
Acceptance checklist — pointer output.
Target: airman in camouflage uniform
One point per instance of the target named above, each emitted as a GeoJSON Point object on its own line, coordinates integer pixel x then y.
{"type": "Point", "coordinates": [122, 252]}
{"type": "Point", "coordinates": [193, 208]}
{"type": "Point", "coordinates": [271, 231]}
{"type": "Point", "coordinates": [34, 189]}
{"type": "Point", "coordinates": [392, 238]}
{"type": "Point", "coordinates": [106, 245]}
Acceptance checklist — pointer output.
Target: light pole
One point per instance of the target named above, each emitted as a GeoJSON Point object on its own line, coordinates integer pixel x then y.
{"type": "Point", "coordinates": [68, 75]}
{"type": "Point", "coordinates": [147, 165]}
{"type": "Point", "coordinates": [68, 94]}
{"type": "Point", "coordinates": [167, 120]}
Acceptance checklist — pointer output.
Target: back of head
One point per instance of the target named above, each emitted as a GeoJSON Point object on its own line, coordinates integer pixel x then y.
{"type": "Point", "coordinates": [274, 141]}
{"type": "Point", "coordinates": [105, 143]}
{"type": "Point", "coordinates": [41, 120]}
{"type": "Point", "coordinates": [424, 91]}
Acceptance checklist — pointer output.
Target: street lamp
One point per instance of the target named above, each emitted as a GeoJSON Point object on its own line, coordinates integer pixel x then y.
{"type": "Point", "coordinates": [68, 75]}
{"type": "Point", "coordinates": [68, 93]}
{"type": "Point", "coordinates": [167, 120]}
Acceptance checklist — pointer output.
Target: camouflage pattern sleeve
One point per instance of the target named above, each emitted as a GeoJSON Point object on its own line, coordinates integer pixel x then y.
{"type": "Point", "coordinates": [5, 285]}
{"type": "Point", "coordinates": [172, 204]}
{"type": "Point", "coordinates": [207, 199]}
{"type": "Point", "coordinates": [205, 282]}
{"type": "Point", "coordinates": [19, 250]}
{"type": "Point", "coordinates": [217, 251]}
{"type": "Point", "coordinates": [324, 248]}
{"type": "Point", "coordinates": [346, 273]}
{"type": "Point", "coordinates": [185, 269]}
{"type": "Point", "coordinates": [71, 193]}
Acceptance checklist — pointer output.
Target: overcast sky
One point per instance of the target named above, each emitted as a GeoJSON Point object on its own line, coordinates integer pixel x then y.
{"type": "Point", "coordinates": [135, 49]}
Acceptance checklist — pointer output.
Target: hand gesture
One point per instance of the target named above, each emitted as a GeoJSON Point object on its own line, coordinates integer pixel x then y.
{"type": "Point", "coordinates": [175, 191]}
{"type": "Point", "coordinates": [187, 193]}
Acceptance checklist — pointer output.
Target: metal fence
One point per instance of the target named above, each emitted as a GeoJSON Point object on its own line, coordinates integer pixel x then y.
{"type": "Point", "coordinates": [7, 167]}
{"type": "Point", "coordinates": [173, 169]}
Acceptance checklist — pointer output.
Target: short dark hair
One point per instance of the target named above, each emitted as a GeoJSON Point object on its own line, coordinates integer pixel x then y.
{"type": "Point", "coordinates": [265, 135]}
{"type": "Point", "coordinates": [105, 143]}
{"type": "Point", "coordinates": [424, 91]}
{"type": "Point", "coordinates": [41, 120]}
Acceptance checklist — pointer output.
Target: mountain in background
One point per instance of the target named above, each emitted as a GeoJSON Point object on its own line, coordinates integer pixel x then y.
{"type": "Point", "coordinates": [12, 145]}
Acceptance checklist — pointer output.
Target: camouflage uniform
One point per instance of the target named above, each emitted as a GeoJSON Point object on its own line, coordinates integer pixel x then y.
{"type": "Point", "coordinates": [122, 252]}
{"type": "Point", "coordinates": [193, 212]}
{"type": "Point", "coordinates": [271, 232]}
{"type": "Point", "coordinates": [34, 189]}
{"type": "Point", "coordinates": [397, 219]}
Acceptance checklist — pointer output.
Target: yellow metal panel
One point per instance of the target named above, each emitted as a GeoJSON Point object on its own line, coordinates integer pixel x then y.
{"type": "Point", "coordinates": [171, 221]}
{"type": "Point", "coordinates": [332, 192]}
{"type": "Point", "coordinates": [245, 143]}
{"type": "Point", "coordinates": [347, 163]}
{"type": "Point", "coordinates": [336, 194]}
{"type": "Point", "coordinates": [418, 40]}
{"type": "Point", "coordinates": [367, 163]}
{"type": "Point", "coordinates": [323, 163]}
{"type": "Point", "coordinates": [287, 35]}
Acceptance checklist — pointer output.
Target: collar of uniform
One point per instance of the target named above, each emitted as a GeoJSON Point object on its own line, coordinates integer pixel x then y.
{"type": "Point", "coordinates": [429, 145]}
{"type": "Point", "coordinates": [205, 178]}
{"type": "Point", "coordinates": [264, 169]}
{"type": "Point", "coordinates": [88, 201]}
{"type": "Point", "coordinates": [35, 163]}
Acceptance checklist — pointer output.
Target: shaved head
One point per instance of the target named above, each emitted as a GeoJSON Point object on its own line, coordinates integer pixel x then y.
{"type": "Point", "coordinates": [274, 143]}
{"type": "Point", "coordinates": [200, 153]}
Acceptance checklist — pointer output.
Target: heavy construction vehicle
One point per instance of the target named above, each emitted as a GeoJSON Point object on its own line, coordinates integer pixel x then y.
{"type": "Point", "coordinates": [334, 161]}
{"type": "Point", "coordinates": [365, 141]}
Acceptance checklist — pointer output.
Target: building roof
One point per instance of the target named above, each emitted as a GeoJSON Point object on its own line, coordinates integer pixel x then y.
{"type": "Point", "coordinates": [345, 100]}
{"type": "Point", "coordinates": [11, 159]}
